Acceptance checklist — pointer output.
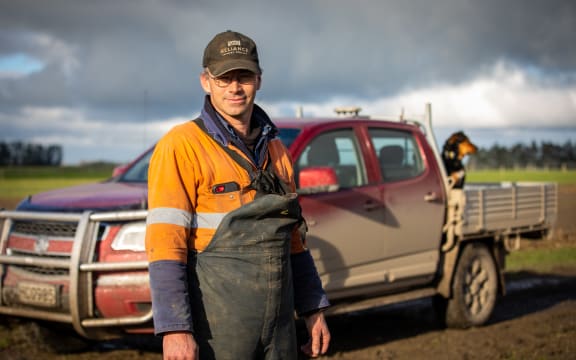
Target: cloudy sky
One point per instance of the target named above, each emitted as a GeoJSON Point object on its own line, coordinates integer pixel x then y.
{"type": "Point", "coordinates": [107, 78]}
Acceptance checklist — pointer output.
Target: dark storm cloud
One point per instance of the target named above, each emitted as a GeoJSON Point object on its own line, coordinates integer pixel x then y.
{"type": "Point", "coordinates": [122, 59]}
{"type": "Point", "coordinates": [382, 48]}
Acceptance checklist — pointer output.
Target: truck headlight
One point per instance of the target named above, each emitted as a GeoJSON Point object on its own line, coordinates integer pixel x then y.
{"type": "Point", "coordinates": [131, 237]}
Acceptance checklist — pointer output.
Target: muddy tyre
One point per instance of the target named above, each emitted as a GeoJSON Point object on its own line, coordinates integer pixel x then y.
{"type": "Point", "coordinates": [474, 289]}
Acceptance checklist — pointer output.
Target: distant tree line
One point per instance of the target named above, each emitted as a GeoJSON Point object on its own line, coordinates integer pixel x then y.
{"type": "Point", "coordinates": [545, 155]}
{"type": "Point", "coordinates": [537, 156]}
{"type": "Point", "coordinates": [19, 153]}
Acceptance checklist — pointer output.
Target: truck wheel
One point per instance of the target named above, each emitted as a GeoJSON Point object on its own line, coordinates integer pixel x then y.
{"type": "Point", "coordinates": [474, 289]}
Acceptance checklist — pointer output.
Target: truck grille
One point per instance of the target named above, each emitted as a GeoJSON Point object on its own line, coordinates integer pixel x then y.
{"type": "Point", "coordinates": [48, 229]}
{"type": "Point", "coordinates": [39, 270]}
{"type": "Point", "coordinates": [43, 240]}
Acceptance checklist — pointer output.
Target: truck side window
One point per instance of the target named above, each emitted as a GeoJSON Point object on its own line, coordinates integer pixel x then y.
{"type": "Point", "coordinates": [338, 150]}
{"type": "Point", "coordinates": [398, 154]}
{"type": "Point", "coordinates": [138, 172]}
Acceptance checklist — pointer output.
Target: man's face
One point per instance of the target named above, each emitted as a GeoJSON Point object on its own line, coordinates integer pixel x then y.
{"type": "Point", "coordinates": [232, 94]}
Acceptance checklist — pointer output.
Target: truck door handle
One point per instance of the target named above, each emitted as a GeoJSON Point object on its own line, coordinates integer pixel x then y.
{"type": "Point", "coordinates": [431, 196]}
{"type": "Point", "coordinates": [371, 205]}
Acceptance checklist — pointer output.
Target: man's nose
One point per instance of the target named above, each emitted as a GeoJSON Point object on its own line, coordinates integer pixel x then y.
{"type": "Point", "coordinates": [234, 84]}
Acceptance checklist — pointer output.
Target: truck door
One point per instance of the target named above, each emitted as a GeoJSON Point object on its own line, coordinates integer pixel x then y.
{"type": "Point", "coordinates": [344, 226]}
{"type": "Point", "coordinates": [412, 195]}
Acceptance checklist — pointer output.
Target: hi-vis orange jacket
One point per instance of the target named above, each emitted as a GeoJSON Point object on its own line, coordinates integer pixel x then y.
{"type": "Point", "coordinates": [193, 183]}
{"type": "Point", "coordinates": [199, 183]}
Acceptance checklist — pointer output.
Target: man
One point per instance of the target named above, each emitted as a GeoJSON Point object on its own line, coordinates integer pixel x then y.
{"type": "Point", "coordinates": [225, 236]}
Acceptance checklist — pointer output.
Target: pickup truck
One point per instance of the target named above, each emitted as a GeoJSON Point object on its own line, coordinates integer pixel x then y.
{"type": "Point", "coordinates": [384, 226]}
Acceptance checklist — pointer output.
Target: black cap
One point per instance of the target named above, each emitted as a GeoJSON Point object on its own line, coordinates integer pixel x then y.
{"type": "Point", "coordinates": [229, 51]}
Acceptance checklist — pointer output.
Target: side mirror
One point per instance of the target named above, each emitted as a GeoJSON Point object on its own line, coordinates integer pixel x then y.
{"type": "Point", "coordinates": [317, 179]}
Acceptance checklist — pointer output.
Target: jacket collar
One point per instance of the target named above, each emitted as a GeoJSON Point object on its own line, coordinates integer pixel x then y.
{"type": "Point", "coordinates": [225, 134]}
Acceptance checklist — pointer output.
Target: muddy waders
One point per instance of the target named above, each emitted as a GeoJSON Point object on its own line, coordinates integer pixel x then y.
{"type": "Point", "coordinates": [241, 284]}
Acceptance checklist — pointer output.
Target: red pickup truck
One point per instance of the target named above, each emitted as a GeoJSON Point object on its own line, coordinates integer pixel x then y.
{"type": "Point", "coordinates": [384, 227]}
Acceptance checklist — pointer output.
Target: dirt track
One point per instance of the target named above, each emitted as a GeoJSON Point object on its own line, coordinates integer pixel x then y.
{"type": "Point", "coordinates": [536, 320]}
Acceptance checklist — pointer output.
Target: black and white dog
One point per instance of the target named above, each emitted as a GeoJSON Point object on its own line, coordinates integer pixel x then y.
{"type": "Point", "coordinates": [455, 149]}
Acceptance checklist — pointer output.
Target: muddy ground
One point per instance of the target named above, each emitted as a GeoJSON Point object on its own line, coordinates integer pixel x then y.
{"type": "Point", "coordinates": [535, 320]}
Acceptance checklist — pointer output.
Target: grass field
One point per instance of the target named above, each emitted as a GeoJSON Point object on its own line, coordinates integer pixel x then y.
{"type": "Point", "coordinates": [55, 172]}
{"type": "Point", "coordinates": [21, 188]}
{"type": "Point", "coordinates": [558, 176]}
{"type": "Point", "coordinates": [18, 182]}
{"type": "Point", "coordinates": [542, 260]}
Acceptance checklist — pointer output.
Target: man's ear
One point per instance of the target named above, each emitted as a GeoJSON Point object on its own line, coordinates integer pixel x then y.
{"type": "Point", "coordinates": [205, 83]}
{"type": "Point", "coordinates": [258, 82]}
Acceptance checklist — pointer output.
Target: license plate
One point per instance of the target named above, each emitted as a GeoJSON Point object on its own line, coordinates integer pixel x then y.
{"type": "Point", "coordinates": [45, 295]}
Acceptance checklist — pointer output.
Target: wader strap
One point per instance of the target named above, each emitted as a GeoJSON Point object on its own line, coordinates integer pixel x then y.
{"type": "Point", "coordinates": [264, 181]}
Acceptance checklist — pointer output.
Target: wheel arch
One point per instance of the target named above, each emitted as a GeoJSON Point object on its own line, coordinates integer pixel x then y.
{"type": "Point", "coordinates": [452, 257]}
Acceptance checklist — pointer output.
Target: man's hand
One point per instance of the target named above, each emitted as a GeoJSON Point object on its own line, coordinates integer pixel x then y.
{"type": "Point", "coordinates": [179, 346]}
{"type": "Point", "coordinates": [319, 335]}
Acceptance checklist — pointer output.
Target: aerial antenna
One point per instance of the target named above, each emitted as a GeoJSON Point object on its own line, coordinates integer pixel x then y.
{"type": "Point", "coordinates": [145, 120]}
{"type": "Point", "coordinates": [299, 112]}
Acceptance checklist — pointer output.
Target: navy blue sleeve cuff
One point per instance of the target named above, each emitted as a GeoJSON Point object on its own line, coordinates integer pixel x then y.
{"type": "Point", "coordinates": [170, 300]}
{"type": "Point", "coordinates": [309, 296]}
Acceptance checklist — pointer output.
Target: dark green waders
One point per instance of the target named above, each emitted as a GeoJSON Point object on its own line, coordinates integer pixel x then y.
{"type": "Point", "coordinates": [241, 284]}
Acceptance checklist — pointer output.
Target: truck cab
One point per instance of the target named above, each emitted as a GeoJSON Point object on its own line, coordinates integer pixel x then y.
{"type": "Point", "coordinates": [362, 233]}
